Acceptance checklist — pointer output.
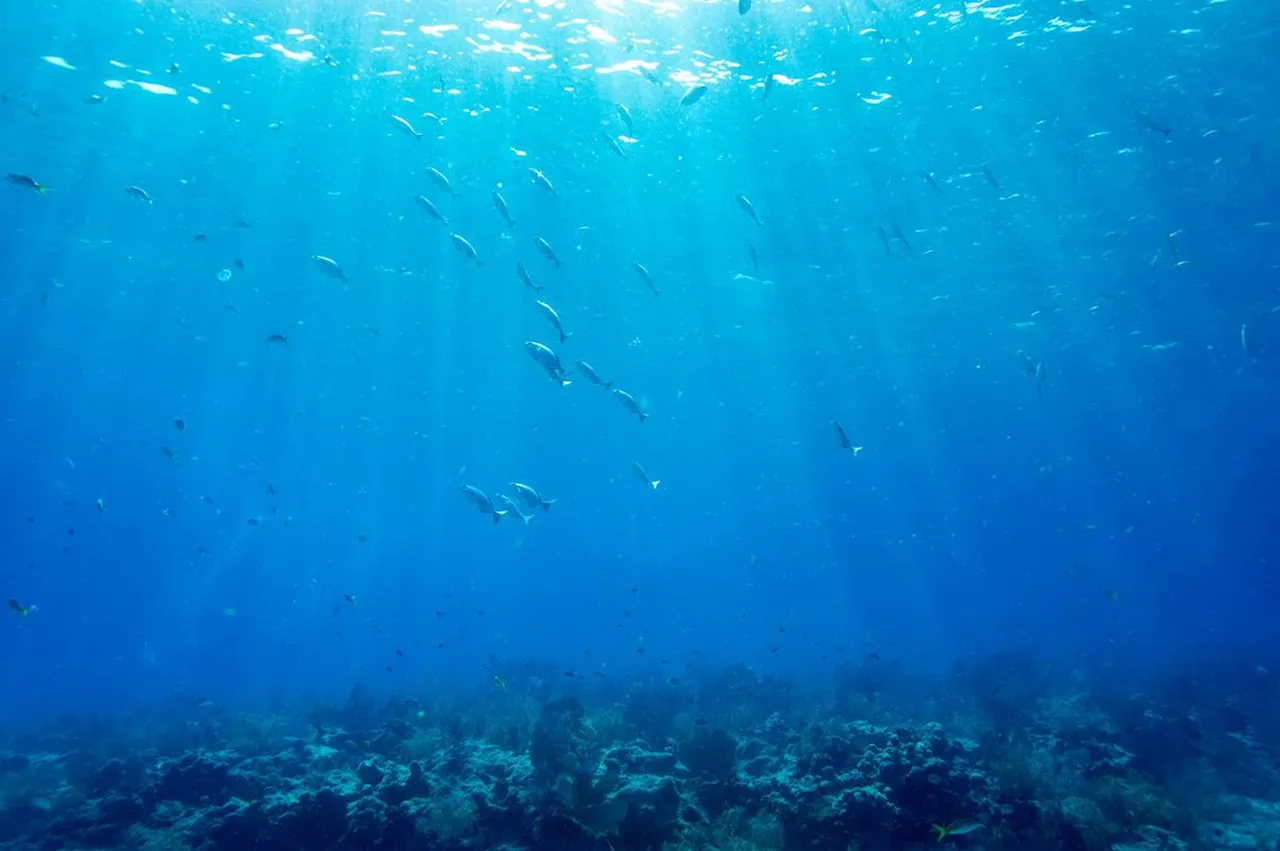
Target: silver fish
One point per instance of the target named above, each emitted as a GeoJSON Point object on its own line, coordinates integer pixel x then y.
{"type": "Point", "coordinates": [548, 252]}
{"type": "Point", "coordinates": [531, 497]}
{"type": "Point", "coordinates": [625, 115]}
{"type": "Point", "coordinates": [843, 436]}
{"type": "Point", "coordinates": [768, 87]}
{"type": "Point", "coordinates": [404, 125]}
{"type": "Point", "coordinates": [441, 180]}
{"type": "Point", "coordinates": [549, 361]}
{"type": "Point", "coordinates": [748, 209]}
{"type": "Point", "coordinates": [525, 278]}
{"type": "Point", "coordinates": [629, 402]}
{"type": "Point", "coordinates": [554, 318]}
{"type": "Point", "coordinates": [465, 248]}
{"type": "Point", "coordinates": [694, 95]}
{"type": "Point", "coordinates": [646, 277]}
{"type": "Point", "coordinates": [653, 483]}
{"type": "Point", "coordinates": [501, 204]}
{"type": "Point", "coordinates": [330, 267]}
{"type": "Point", "coordinates": [481, 502]}
{"type": "Point", "coordinates": [514, 509]}
{"type": "Point", "coordinates": [901, 237]}
{"type": "Point", "coordinates": [425, 203]}
{"type": "Point", "coordinates": [140, 193]}
{"type": "Point", "coordinates": [540, 179]}
{"type": "Point", "coordinates": [594, 377]}
{"type": "Point", "coordinates": [613, 144]}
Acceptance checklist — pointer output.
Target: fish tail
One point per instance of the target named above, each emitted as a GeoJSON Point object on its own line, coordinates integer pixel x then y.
{"type": "Point", "coordinates": [643, 417]}
{"type": "Point", "coordinates": [547, 503]}
{"type": "Point", "coordinates": [497, 517]}
{"type": "Point", "coordinates": [479, 262]}
{"type": "Point", "coordinates": [564, 382]}
{"type": "Point", "coordinates": [656, 292]}
{"type": "Point", "coordinates": [445, 222]}
{"type": "Point", "coordinates": [608, 385]}
{"type": "Point", "coordinates": [942, 832]}
{"type": "Point", "coordinates": [41, 190]}
{"type": "Point", "coordinates": [654, 484]}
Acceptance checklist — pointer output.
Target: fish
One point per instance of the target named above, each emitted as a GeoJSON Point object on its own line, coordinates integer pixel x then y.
{"type": "Point", "coordinates": [1036, 369]}
{"type": "Point", "coordinates": [594, 377]}
{"type": "Point", "coordinates": [748, 209]}
{"type": "Point", "coordinates": [768, 87]}
{"type": "Point", "coordinates": [646, 277]}
{"type": "Point", "coordinates": [93, 100]}
{"type": "Point", "coordinates": [465, 248]}
{"type": "Point", "coordinates": [531, 497]}
{"type": "Point", "coordinates": [901, 237]}
{"type": "Point", "coordinates": [404, 125]}
{"type": "Point", "coordinates": [513, 508]}
{"type": "Point", "coordinates": [549, 361]}
{"type": "Point", "coordinates": [1151, 124]}
{"type": "Point", "coordinates": [139, 193]}
{"type": "Point", "coordinates": [19, 609]}
{"type": "Point", "coordinates": [884, 238]}
{"type": "Point", "coordinates": [499, 682]}
{"type": "Point", "coordinates": [933, 183]}
{"type": "Point", "coordinates": [755, 257]}
{"type": "Point", "coordinates": [957, 828]}
{"type": "Point", "coordinates": [843, 437]}
{"type": "Point", "coordinates": [554, 318]}
{"type": "Point", "coordinates": [501, 204]}
{"type": "Point", "coordinates": [1244, 338]}
{"type": "Point", "coordinates": [625, 115]}
{"type": "Point", "coordinates": [541, 180]}
{"type": "Point", "coordinates": [277, 338]}
{"type": "Point", "coordinates": [653, 483]}
{"type": "Point", "coordinates": [744, 6]}
{"type": "Point", "coordinates": [350, 598]}
{"type": "Point", "coordinates": [27, 182]}
{"type": "Point", "coordinates": [425, 203]}
{"type": "Point", "coordinates": [525, 278]}
{"type": "Point", "coordinates": [441, 180]}
{"type": "Point", "coordinates": [168, 453]}
{"type": "Point", "coordinates": [990, 176]}
{"type": "Point", "coordinates": [330, 267]}
{"type": "Point", "coordinates": [693, 95]}
{"type": "Point", "coordinates": [629, 402]}
{"type": "Point", "coordinates": [481, 502]}
{"type": "Point", "coordinates": [547, 251]}
{"type": "Point", "coordinates": [613, 144]}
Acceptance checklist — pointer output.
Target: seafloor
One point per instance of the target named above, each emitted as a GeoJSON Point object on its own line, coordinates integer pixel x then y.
{"type": "Point", "coordinates": [1041, 756]}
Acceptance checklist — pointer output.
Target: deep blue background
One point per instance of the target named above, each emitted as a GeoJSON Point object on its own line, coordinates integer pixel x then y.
{"type": "Point", "coordinates": [978, 518]}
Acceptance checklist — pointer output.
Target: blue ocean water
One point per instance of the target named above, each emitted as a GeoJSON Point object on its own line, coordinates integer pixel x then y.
{"type": "Point", "coordinates": [1023, 253]}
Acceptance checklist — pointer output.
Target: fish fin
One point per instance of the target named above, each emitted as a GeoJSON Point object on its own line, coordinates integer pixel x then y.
{"type": "Point", "coordinates": [42, 190]}
{"type": "Point", "coordinates": [547, 503]}
{"type": "Point", "coordinates": [497, 517]}
{"type": "Point", "coordinates": [643, 417]}
{"type": "Point", "coordinates": [526, 518]}
{"type": "Point", "coordinates": [564, 382]}
{"type": "Point", "coordinates": [942, 832]}
{"type": "Point", "coordinates": [654, 484]}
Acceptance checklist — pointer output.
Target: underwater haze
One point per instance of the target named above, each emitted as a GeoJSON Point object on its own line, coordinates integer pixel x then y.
{"type": "Point", "coordinates": [632, 424]}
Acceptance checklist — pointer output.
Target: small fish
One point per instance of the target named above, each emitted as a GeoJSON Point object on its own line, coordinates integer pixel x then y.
{"type": "Point", "coordinates": [480, 500]}
{"type": "Point", "coordinates": [93, 100]}
{"type": "Point", "coordinates": [441, 180]}
{"type": "Point", "coordinates": [693, 95]}
{"type": "Point", "coordinates": [653, 483]}
{"type": "Point", "coordinates": [168, 453]}
{"type": "Point", "coordinates": [1244, 338]}
{"type": "Point", "coordinates": [139, 193]}
{"type": "Point", "coordinates": [1151, 124]}
{"type": "Point", "coordinates": [755, 257]}
{"type": "Point", "coordinates": [404, 125]}
{"type": "Point", "coordinates": [990, 176]}
{"type": "Point", "coordinates": [541, 180]}
{"type": "Point", "coordinates": [547, 251]}
{"type": "Point", "coordinates": [646, 277]}
{"type": "Point", "coordinates": [549, 361]}
{"type": "Point", "coordinates": [27, 182]}
{"type": "Point", "coordinates": [1036, 369]}
{"type": "Point", "coordinates": [180, 425]}
{"type": "Point", "coordinates": [957, 828]}
{"type": "Point", "coordinates": [513, 508]}
{"type": "Point", "coordinates": [501, 204]}
{"type": "Point", "coordinates": [554, 318]}
{"type": "Point", "coordinates": [531, 497]}
{"type": "Point", "coordinates": [330, 267]}
{"type": "Point", "coordinates": [629, 402]}
{"type": "Point", "coordinates": [425, 203]}
{"type": "Point", "coordinates": [613, 144]}
{"type": "Point", "coordinates": [525, 278]}
{"type": "Point", "coordinates": [19, 609]}
{"type": "Point", "coordinates": [901, 237]}
{"type": "Point", "coordinates": [625, 115]}
{"type": "Point", "coordinates": [350, 598]}
{"type": "Point", "coordinates": [933, 183]}
{"type": "Point", "coordinates": [278, 338]}
{"type": "Point", "coordinates": [845, 442]}
{"type": "Point", "coordinates": [748, 209]}
{"type": "Point", "coordinates": [744, 6]}
{"type": "Point", "coordinates": [593, 376]}
{"type": "Point", "coordinates": [500, 683]}
{"type": "Point", "coordinates": [768, 87]}
{"type": "Point", "coordinates": [884, 238]}
{"type": "Point", "coordinates": [465, 248]}
{"type": "Point", "coordinates": [173, 68]}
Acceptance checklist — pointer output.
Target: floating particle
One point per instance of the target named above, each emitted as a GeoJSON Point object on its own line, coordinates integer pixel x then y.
{"type": "Point", "coordinates": [224, 275]}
